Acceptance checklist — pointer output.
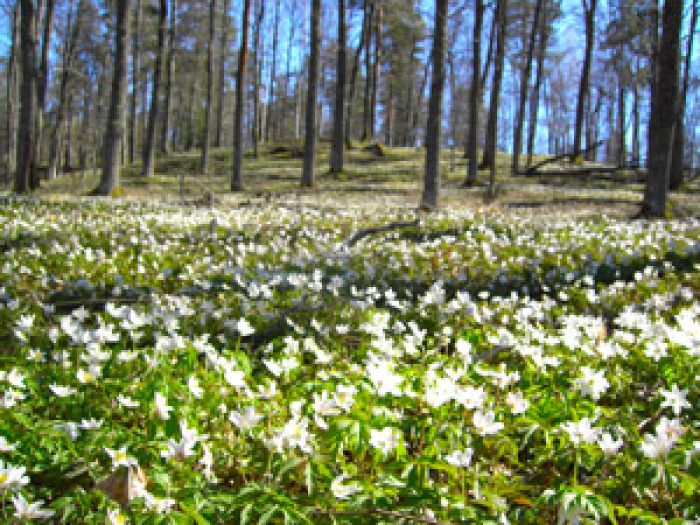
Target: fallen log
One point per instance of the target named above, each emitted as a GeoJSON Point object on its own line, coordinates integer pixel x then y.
{"type": "Point", "coordinates": [380, 229]}
{"type": "Point", "coordinates": [602, 171]}
{"type": "Point", "coordinates": [532, 170]}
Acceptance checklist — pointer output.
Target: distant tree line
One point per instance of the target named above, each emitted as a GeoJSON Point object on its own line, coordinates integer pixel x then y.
{"type": "Point", "coordinates": [98, 84]}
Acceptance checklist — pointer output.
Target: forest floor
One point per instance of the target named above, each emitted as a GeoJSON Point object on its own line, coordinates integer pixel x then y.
{"type": "Point", "coordinates": [387, 177]}
{"type": "Point", "coordinates": [322, 357]}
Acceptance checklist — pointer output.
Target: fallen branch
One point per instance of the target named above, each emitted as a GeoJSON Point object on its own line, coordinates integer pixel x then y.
{"type": "Point", "coordinates": [380, 229]}
{"type": "Point", "coordinates": [278, 326]}
{"type": "Point", "coordinates": [95, 303]}
{"type": "Point", "coordinates": [532, 170]}
{"type": "Point", "coordinates": [492, 352]}
{"type": "Point", "coordinates": [590, 170]}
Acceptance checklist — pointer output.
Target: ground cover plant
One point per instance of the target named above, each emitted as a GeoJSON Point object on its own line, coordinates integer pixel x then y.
{"type": "Point", "coordinates": [263, 364]}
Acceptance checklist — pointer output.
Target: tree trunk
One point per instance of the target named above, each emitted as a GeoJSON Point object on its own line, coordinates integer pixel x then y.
{"type": "Point", "coordinates": [149, 148]}
{"type": "Point", "coordinates": [431, 180]}
{"type": "Point", "coordinates": [621, 142]}
{"type": "Point", "coordinates": [589, 7]}
{"type": "Point", "coordinates": [255, 128]}
{"type": "Point", "coordinates": [165, 139]}
{"type": "Point", "coordinates": [220, 101]}
{"type": "Point", "coordinates": [272, 93]}
{"type": "Point", "coordinates": [43, 81]}
{"type": "Point", "coordinates": [288, 72]}
{"type": "Point", "coordinates": [204, 164]}
{"type": "Point", "coordinates": [190, 138]}
{"type": "Point", "coordinates": [488, 159]}
{"type": "Point", "coordinates": [353, 77]}
{"type": "Point", "coordinates": [11, 97]}
{"type": "Point", "coordinates": [28, 103]}
{"type": "Point", "coordinates": [475, 96]}
{"type": "Point", "coordinates": [664, 107]}
{"type": "Point", "coordinates": [85, 132]}
{"type": "Point", "coordinates": [115, 120]}
{"type": "Point", "coordinates": [635, 125]}
{"type": "Point", "coordinates": [339, 110]}
{"type": "Point", "coordinates": [68, 56]}
{"type": "Point", "coordinates": [389, 111]}
{"type": "Point", "coordinates": [68, 153]}
{"type": "Point", "coordinates": [489, 52]}
{"type": "Point", "coordinates": [307, 178]}
{"type": "Point", "coordinates": [135, 77]}
{"type": "Point", "coordinates": [376, 68]}
{"type": "Point", "coordinates": [535, 96]}
{"type": "Point", "coordinates": [678, 159]}
{"type": "Point", "coordinates": [236, 180]}
{"type": "Point", "coordinates": [367, 99]}
{"type": "Point", "coordinates": [524, 88]}
{"type": "Point", "coordinates": [418, 110]}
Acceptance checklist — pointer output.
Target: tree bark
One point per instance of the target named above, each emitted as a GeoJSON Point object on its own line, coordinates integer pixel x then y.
{"type": "Point", "coordinates": [539, 75]}
{"type": "Point", "coordinates": [288, 70]}
{"type": "Point", "coordinates": [115, 120]}
{"type": "Point", "coordinates": [589, 7]}
{"type": "Point", "coordinates": [12, 97]}
{"type": "Point", "coordinates": [488, 159]}
{"type": "Point", "coordinates": [257, 67]}
{"type": "Point", "coordinates": [353, 77]}
{"type": "Point", "coordinates": [307, 177]}
{"type": "Point", "coordinates": [63, 97]}
{"type": "Point", "coordinates": [135, 77]}
{"type": "Point", "coordinates": [367, 99]}
{"type": "Point", "coordinates": [621, 142]}
{"type": "Point", "coordinates": [664, 107]}
{"type": "Point", "coordinates": [149, 147]}
{"type": "Point", "coordinates": [28, 102]}
{"type": "Point", "coordinates": [220, 100]}
{"type": "Point", "coordinates": [635, 124]}
{"type": "Point", "coordinates": [376, 68]}
{"type": "Point", "coordinates": [337, 152]}
{"type": "Point", "coordinates": [236, 180]}
{"type": "Point", "coordinates": [165, 139]}
{"type": "Point", "coordinates": [271, 120]}
{"type": "Point", "coordinates": [204, 164]}
{"type": "Point", "coordinates": [678, 159]}
{"type": "Point", "coordinates": [475, 96]}
{"type": "Point", "coordinates": [43, 81]}
{"type": "Point", "coordinates": [524, 88]}
{"type": "Point", "coordinates": [431, 180]}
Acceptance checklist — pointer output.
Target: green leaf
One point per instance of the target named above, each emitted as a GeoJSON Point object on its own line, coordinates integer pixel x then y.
{"type": "Point", "coordinates": [265, 518]}
{"type": "Point", "coordinates": [309, 476]}
{"type": "Point", "coordinates": [245, 513]}
{"type": "Point", "coordinates": [192, 513]}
